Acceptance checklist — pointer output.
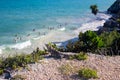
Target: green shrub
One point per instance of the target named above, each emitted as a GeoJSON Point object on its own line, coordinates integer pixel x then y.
{"type": "Point", "coordinates": [118, 20]}
{"type": "Point", "coordinates": [71, 57]}
{"type": "Point", "coordinates": [109, 37]}
{"type": "Point", "coordinates": [21, 60]}
{"type": "Point", "coordinates": [81, 56]}
{"type": "Point", "coordinates": [116, 46]}
{"type": "Point", "coordinates": [28, 59]}
{"type": "Point", "coordinates": [91, 40]}
{"type": "Point", "coordinates": [42, 53]}
{"type": "Point", "coordinates": [87, 41]}
{"type": "Point", "coordinates": [66, 69]}
{"type": "Point", "coordinates": [1, 71]}
{"type": "Point", "coordinates": [53, 45]}
{"type": "Point", "coordinates": [70, 47]}
{"type": "Point", "coordinates": [88, 73]}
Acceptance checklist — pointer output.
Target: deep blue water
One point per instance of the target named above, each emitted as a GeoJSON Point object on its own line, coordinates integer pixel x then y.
{"type": "Point", "coordinates": [22, 16]}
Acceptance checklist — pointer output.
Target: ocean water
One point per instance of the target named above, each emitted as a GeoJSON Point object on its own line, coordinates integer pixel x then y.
{"type": "Point", "coordinates": [24, 20]}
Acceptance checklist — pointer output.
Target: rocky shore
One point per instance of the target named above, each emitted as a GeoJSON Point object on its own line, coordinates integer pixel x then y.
{"type": "Point", "coordinates": [113, 23]}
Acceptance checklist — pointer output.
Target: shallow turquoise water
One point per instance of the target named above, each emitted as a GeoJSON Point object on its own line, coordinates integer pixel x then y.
{"type": "Point", "coordinates": [20, 17]}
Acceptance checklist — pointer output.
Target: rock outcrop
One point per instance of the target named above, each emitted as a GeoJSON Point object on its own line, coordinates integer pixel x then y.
{"type": "Point", "coordinates": [57, 54]}
{"type": "Point", "coordinates": [115, 8]}
{"type": "Point", "coordinates": [113, 23]}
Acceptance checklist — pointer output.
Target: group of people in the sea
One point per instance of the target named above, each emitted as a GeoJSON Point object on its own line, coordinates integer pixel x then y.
{"type": "Point", "coordinates": [19, 38]}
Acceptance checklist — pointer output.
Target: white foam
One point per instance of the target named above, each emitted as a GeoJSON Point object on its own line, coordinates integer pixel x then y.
{"type": "Point", "coordinates": [38, 37]}
{"type": "Point", "coordinates": [59, 44]}
{"type": "Point", "coordinates": [62, 29]}
{"type": "Point", "coordinates": [21, 45]}
{"type": "Point", "coordinates": [103, 16]}
{"type": "Point", "coordinates": [93, 25]}
{"type": "Point", "coordinates": [90, 26]}
{"type": "Point", "coordinates": [1, 49]}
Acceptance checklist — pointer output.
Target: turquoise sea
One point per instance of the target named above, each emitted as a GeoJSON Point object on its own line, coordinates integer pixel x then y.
{"type": "Point", "coordinates": [23, 20]}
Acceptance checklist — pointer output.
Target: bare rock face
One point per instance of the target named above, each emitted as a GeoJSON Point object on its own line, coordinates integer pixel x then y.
{"type": "Point", "coordinates": [115, 8]}
{"type": "Point", "coordinates": [113, 23]}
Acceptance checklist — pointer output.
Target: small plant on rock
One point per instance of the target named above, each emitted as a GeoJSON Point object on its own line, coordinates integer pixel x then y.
{"type": "Point", "coordinates": [88, 73]}
{"type": "Point", "coordinates": [81, 56]}
{"type": "Point", "coordinates": [53, 45]}
{"type": "Point", "coordinates": [66, 69]}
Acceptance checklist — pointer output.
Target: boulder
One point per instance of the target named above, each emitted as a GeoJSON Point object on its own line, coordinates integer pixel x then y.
{"type": "Point", "coordinates": [7, 74]}
{"type": "Point", "coordinates": [111, 24]}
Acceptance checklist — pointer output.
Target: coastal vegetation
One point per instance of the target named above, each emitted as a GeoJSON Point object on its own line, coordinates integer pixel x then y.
{"type": "Point", "coordinates": [21, 60]}
{"type": "Point", "coordinates": [90, 41]}
{"type": "Point", "coordinates": [53, 45]}
{"type": "Point", "coordinates": [66, 69]}
{"type": "Point", "coordinates": [88, 73]}
{"type": "Point", "coordinates": [105, 43]}
{"type": "Point", "coordinates": [79, 56]}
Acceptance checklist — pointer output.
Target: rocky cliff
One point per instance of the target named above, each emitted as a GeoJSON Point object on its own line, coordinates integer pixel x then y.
{"type": "Point", "coordinates": [113, 23]}
{"type": "Point", "coordinates": [115, 8]}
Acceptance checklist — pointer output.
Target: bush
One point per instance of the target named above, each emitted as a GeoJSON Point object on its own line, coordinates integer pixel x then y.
{"type": "Point", "coordinates": [118, 20]}
{"type": "Point", "coordinates": [66, 69]}
{"type": "Point", "coordinates": [20, 60]}
{"type": "Point", "coordinates": [88, 73]}
{"type": "Point", "coordinates": [116, 46]}
{"type": "Point", "coordinates": [91, 40]}
{"type": "Point", "coordinates": [53, 45]}
{"type": "Point", "coordinates": [81, 56]}
{"type": "Point", "coordinates": [1, 71]}
{"type": "Point", "coordinates": [70, 47]}
{"type": "Point", "coordinates": [42, 53]}
{"type": "Point", "coordinates": [71, 57]}
{"type": "Point", "coordinates": [109, 37]}
{"type": "Point", "coordinates": [87, 41]}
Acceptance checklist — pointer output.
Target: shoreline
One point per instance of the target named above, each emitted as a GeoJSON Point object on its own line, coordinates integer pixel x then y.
{"type": "Point", "coordinates": [60, 35]}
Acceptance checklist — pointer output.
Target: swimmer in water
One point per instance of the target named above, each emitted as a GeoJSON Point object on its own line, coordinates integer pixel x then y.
{"type": "Point", "coordinates": [39, 33]}
{"type": "Point", "coordinates": [28, 35]}
{"type": "Point", "coordinates": [15, 40]}
{"type": "Point", "coordinates": [16, 35]}
{"type": "Point", "coordinates": [33, 29]}
{"type": "Point", "coordinates": [20, 38]}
